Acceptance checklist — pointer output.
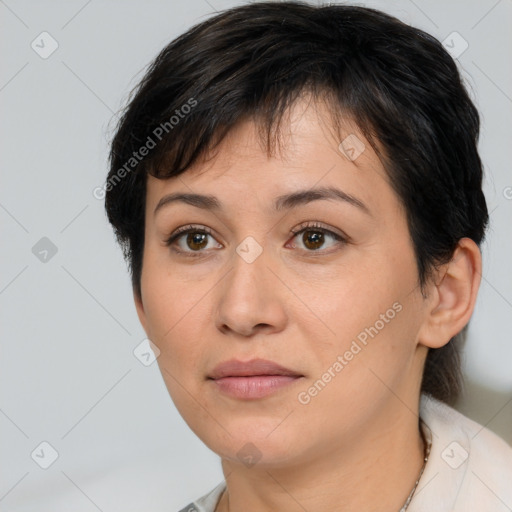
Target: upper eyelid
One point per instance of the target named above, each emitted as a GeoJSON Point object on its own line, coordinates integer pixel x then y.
{"type": "Point", "coordinates": [187, 229]}
{"type": "Point", "coordinates": [315, 225]}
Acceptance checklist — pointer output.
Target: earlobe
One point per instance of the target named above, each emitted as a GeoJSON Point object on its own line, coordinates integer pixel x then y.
{"type": "Point", "coordinates": [453, 295]}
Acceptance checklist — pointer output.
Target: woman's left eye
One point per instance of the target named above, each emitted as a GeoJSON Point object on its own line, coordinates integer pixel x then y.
{"type": "Point", "coordinates": [314, 238]}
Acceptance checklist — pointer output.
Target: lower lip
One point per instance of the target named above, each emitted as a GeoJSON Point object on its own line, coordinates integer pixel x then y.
{"type": "Point", "coordinates": [258, 386]}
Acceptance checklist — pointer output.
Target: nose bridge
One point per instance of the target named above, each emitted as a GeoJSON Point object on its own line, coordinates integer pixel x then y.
{"type": "Point", "coordinates": [248, 297]}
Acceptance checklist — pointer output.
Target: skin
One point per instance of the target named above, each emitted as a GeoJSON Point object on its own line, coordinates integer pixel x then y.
{"type": "Point", "coordinates": [356, 444]}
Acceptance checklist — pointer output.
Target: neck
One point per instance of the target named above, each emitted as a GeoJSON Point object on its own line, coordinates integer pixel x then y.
{"type": "Point", "coordinates": [376, 470]}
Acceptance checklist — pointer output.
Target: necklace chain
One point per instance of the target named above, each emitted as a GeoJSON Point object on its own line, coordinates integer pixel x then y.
{"type": "Point", "coordinates": [427, 443]}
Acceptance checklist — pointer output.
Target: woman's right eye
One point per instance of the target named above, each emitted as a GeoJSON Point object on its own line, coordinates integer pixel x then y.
{"type": "Point", "coordinates": [192, 240]}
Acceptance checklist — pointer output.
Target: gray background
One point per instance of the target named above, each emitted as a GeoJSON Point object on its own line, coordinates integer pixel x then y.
{"type": "Point", "coordinates": [68, 373]}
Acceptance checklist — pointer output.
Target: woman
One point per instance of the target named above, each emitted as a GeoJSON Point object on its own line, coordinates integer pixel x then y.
{"type": "Point", "coordinates": [298, 193]}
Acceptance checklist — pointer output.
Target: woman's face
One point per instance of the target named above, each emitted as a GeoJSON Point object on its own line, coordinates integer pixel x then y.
{"type": "Point", "coordinates": [302, 260]}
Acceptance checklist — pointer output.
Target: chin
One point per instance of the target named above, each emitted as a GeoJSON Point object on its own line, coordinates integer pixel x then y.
{"type": "Point", "coordinates": [255, 439]}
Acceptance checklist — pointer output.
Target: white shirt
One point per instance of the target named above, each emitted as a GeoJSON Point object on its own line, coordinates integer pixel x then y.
{"type": "Point", "coordinates": [469, 468]}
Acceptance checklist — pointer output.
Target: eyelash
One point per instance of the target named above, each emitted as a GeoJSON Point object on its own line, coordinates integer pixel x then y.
{"type": "Point", "coordinates": [303, 227]}
{"type": "Point", "coordinates": [183, 231]}
{"type": "Point", "coordinates": [308, 226]}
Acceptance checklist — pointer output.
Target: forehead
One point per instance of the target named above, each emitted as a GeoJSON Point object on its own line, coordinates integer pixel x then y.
{"type": "Point", "coordinates": [308, 151]}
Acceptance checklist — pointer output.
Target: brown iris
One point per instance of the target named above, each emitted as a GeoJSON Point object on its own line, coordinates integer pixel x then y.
{"type": "Point", "coordinates": [197, 240]}
{"type": "Point", "coordinates": [313, 239]}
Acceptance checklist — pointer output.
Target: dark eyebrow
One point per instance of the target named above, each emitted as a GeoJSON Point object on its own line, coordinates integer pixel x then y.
{"type": "Point", "coordinates": [284, 202]}
{"type": "Point", "coordinates": [197, 200]}
{"type": "Point", "coordinates": [288, 201]}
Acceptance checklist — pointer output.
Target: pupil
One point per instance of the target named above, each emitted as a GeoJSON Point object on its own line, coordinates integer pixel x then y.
{"type": "Point", "coordinates": [196, 240]}
{"type": "Point", "coordinates": [313, 240]}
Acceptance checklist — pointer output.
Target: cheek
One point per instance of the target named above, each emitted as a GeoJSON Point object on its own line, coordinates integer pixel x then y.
{"type": "Point", "coordinates": [171, 308]}
{"type": "Point", "coordinates": [348, 300]}
{"type": "Point", "coordinates": [355, 373]}
{"type": "Point", "coordinates": [174, 320]}
{"type": "Point", "coordinates": [367, 313]}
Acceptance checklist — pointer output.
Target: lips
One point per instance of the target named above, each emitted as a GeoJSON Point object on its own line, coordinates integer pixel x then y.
{"type": "Point", "coordinates": [253, 379]}
{"type": "Point", "coordinates": [234, 368]}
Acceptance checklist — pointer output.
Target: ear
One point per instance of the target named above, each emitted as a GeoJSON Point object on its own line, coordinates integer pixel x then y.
{"type": "Point", "coordinates": [140, 309]}
{"type": "Point", "coordinates": [452, 295]}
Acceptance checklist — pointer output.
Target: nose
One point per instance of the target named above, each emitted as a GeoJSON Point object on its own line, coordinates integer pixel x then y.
{"type": "Point", "coordinates": [251, 299]}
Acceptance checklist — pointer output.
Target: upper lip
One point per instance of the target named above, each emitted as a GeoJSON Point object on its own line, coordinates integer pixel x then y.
{"type": "Point", "coordinates": [235, 368]}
